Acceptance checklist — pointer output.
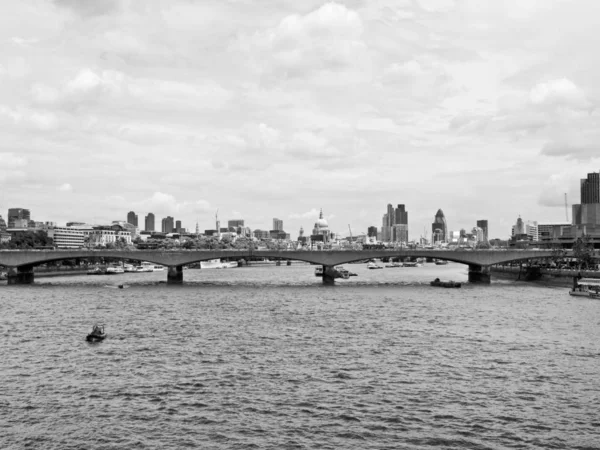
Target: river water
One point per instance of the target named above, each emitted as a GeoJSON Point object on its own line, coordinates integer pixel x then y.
{"type": "Point", "coordinates": [265, 357]}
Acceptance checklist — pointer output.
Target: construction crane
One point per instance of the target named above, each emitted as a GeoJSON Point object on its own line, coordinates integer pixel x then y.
{"type": "Point", "coordinates": [566, 208]}
{"type": "Point", "coordinates": [350, 231]}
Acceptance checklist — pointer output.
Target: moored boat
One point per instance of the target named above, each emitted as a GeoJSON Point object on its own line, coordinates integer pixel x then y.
{"type": "Point", "coordinates": [441, 262]}
{"type": "Point", "coordinates": [114, 269]}
{"type": "Point", "coordinates": [319, 271]}
{"type": "Point", "coordinates": [372, 265]}
{"type": "Point", "coordinates": [95, 271]}
{"type": "Point", "coordinates": [446, 284]}
{"type": "Point", "coordinates": [586, 287]}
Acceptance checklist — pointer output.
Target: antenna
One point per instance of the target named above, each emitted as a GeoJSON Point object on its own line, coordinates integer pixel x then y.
{"type": "Point", "coordinates": [566, 208]}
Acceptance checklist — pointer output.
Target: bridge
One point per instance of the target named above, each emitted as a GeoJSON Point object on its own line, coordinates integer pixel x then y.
{"type": "Point", "coordinates": [20, 263]}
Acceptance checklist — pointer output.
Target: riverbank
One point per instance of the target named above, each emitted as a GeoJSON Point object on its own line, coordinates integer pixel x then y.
{"type": "Point", "coordinates": [554, 277]}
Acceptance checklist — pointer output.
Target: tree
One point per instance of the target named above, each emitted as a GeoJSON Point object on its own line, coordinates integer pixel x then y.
{"type": "Point", "coordinates": [583, 252]}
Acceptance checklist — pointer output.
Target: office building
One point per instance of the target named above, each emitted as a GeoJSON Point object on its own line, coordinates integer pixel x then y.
{"type": "Point", "coordinates": [2, 224]}
{"type": "Point", "coordinates": [168, 224]}
{"type": "Point", "coordinates": [18, 214]}
{"type": "Point", "coordinates": [590, 188]}
{"type": "Point", "coordinates": [483, 224]}
{"type": "Point", "coordinates": [277, 224]}
{"type": "Point", "coordinates": [394, 224]}
{"type": "Point", "coordinates": [525, 230]}
{"type": "Point", "coordinates": [372, 232]}
{"type": "Point", "coordinates": [439, 228]}
{"type": "Point", "coordinates": [178, 228]}
{"type": "Point", "coordinates": [132, 218]}
{"type": "Point", "coordinates": [149, 222]}
{"type": "Point", "coordinates": [67, 237]}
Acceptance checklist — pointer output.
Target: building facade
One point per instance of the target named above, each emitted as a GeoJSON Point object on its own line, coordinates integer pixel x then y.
{"type": "Point", "coordinates": [168, 224]}
{"type": "Point", "coordinates": [67, 237]}
{"type": "Point", "coordinates": [590, 188]}
{"type": "Point", "coordinates": [277, 224]}
{"type": "Point", "coordinates": [483, 224]}
{"type": "Point", "coordinates": [18, 214]}
{"type": "Point", "coordinates": [235, 223]}
{"type": "Point", "coordinates": [394, 224]}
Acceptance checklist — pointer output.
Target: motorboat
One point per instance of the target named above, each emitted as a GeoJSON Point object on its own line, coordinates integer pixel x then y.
{"type": "Point", "coordinates": [129, 268]}
{"type": "Point", "coordinates": [145, 267]}
{"type": "Point", "coordinates": [345, 272]}
{"type": "Point", "coordinates": [217, 264]}
{"type": "Point", "coordinates": [396, 264]}
{"type": "Point", "coordinates": [158, 268]}
{"type": "Point", "coordinates": [319, 271]}
{"type": "Point", "coordinates": [97, 334]}
{"type": "Point", "coordinates": [95, 271]}
{"type": "Point", "coordinates": [372, 265]}
{"type": "Point", "coordinates": [586, 287]}
{"type": "Point", "coordinates": [441, 262]}
{"type": "Point", "coordinates": [413, 264]}
{"type": "Point", "coordinates": [114, 269]}
{"type": "Point", "coordinates": [446, 284]}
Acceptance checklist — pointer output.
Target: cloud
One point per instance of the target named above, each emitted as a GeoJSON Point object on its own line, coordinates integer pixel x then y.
{"type": "Point", "coordinates": [90, 8]}
{"type": "Point", "coordinates": [561, 93]}
{"type": "Point", "coordinates": [571, 150]}
{"type": "Point", "coordinates": [66, 187]}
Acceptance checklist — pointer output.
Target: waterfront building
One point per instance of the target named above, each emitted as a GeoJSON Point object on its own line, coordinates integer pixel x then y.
{"type": "Point", "coordinates": [132, 218]}
{"type": "Point", "coordinates": [277, 224]}
{"type": "Point", "coordinates": [20, 214]}
{"type": "Point", "coordinates": [67, 237]}
{"type": "Point", "coordinates": [439, 228]}
{"type": "Point", "coordinates": [167, 225]}
{"type": "Point", "coordinates": [109, 234]}
{"type": "Point", "coordinates": [483, 224]}
{"type": "Point", "coordinates": [260, 234]}
{"type": "Point", "coordinates": [149, 222]}
{"type": "Point", "coordinates": [2, 224]}
{"type": "Point", "coordinates": [5, 237]}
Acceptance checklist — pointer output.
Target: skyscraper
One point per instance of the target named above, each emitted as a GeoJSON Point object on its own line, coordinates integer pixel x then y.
{"type": "Point", "coordinates": [394, 225]}
{"type": "Point", "coordinates": [132, 218]}
{"type": "Point", "coordinates": [18, 216]}
{"type": "Point", "coordinates": [235, 223]}
{"type": "Point", "coordinates": [149, 222]}
{"type": "Point", "coordinates": [439, 228]}
{"type": "Point", "coordinates": [483, 224]}
{"type": "Point", "coordinates": [277, 224]}
{"type": "Point", "coordinates": [178, 228]}
{"type": "Point", "coordinates": [167, 224]}
{"type": "Point", "coordinates": [590, 188]}
{"type": "Point", "coordinates": [372, 232]}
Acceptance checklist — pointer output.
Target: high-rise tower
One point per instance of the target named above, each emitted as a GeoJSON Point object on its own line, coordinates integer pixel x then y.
{"type": "Point", "coordinates": [149, 222]}
{"type": "Point", "coordinates": [132, 218]}
{"type": "Point", "coordinates": [439, 228]}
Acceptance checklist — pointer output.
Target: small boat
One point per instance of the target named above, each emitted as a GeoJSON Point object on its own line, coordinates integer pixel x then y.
{"type": "Point", "coordinates": [586, 287]}
{"type": "Point", "coordinates": [95, 271]}
{"type": "Point", "coordinates": [394, 265]}
{"type": "Point", "coordinates": [373, 266]}
{"type": "Point", "coordinates": [129, 268]}
{"type": "Point", "coordinates": [441, 262]}
{"type": "Point", "coordinates": [345, 272]}
{"type": "Point", "coordinates": [446, 284]}
{"type": "Point", "coordinates": [158, 268]}
{"type": "Point", "coordinates": [97, 334]}
{"type": "Point", "coordinates": [319, 271]}
{"type": "Point", "coordinates": [413, 264]}
{"type": "Point", "coordinates": [3, 276]}
{"type": "Point", "coordinates": [145, 267]}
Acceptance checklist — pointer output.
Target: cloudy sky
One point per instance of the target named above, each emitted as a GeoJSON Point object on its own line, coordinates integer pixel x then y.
{"type": "Point", "coordinates": [276, 108]}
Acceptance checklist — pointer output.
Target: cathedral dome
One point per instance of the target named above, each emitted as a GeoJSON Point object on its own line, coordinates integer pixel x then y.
{"type": "Point", "coordinates": [321, 222]}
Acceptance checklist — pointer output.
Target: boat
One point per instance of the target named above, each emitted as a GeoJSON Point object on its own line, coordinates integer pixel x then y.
{"type": "Point", "coordinates": [158, 268]}
{"type": "Point", "coordinates": [413, 264]}
{"type": "Point", "coordinates": [145, 267]}
{"type": "Point", "coordinates": [114, 269]}
{"type": "Point", "coordinates": [129, 268]}
{"type": "Point", "coordinates": [372, 265]}
{"type": "Point", "coordinates": [95, 271]}
{"type": "Point", "coordinates": [345, 272]}
{"type": "Point", "coordinates": [97, 334]}
{"type": "Point", "coordinates": [217, 264]}
{"type": "Point", "coordinates": [586, 287]}
{"type": "Point", "coordinates": [319, 271]}
{"type": "Point", "coordinates": [396, 264]}
{"type": "Point", "coordinates": [447, 284]}
{"type": "Point", "coordinates": [441, 262]}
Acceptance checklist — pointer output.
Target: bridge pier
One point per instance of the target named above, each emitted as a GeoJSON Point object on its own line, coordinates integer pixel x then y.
{"type": "Point", "coordinates": [328, 275]}
{"type": "Point", "coordinates": [20, 275]}
{"type": "Point", "coordinates": [175, 275]}
{"type": "Point", "coordinates": [479, 274]}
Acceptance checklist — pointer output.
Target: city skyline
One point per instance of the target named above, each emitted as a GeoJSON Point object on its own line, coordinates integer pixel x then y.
{"type": "Point", "coordinates": [483, 110]}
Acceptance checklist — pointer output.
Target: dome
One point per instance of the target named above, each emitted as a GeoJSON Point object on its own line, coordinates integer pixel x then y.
{"type": "Point", "coordinates": [321, 222]}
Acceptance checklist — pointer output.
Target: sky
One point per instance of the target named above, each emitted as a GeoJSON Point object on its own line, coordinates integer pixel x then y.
{"type": "Point", "coordinates": [263, 109]}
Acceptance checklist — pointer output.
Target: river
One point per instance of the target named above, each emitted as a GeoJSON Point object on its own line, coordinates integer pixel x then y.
{"type": "Point", "coordinates": [265, 357]}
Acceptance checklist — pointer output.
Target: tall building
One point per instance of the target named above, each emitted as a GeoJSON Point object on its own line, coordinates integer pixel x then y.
{"type": "Point", "coordinates": [277, 224]}
{"type": "Point", "coordinates": [235, 223]}
{"type": "Point", "coordinates": [149, 222]}
{"type": "Point", "coordinates": [320, 232]}
{"type": "Point", "coordinates": [167, 224]}
{"type": "Point", "coordinates": [590, 188]}
{"type": "Point", "coordinates": [372, 232]}
{"type": "Point", "coordinates": [522, 230]}
{"type": "Point", "coordinates": [483, 224]}
{"type": "Point", "coordinates": [178, 228]}
{"type": "Point", "coordinates": [439, 228]}
{"type": "Point", "coordinates": [132, 218]}
{"type": "Point", "coordinates": [394, 224]}
{"type": "Point", "coordinates": [23, 216]}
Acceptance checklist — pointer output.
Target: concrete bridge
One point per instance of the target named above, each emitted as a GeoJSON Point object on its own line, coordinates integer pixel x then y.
{"type": "Point", "coordinates": [20, 263]}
